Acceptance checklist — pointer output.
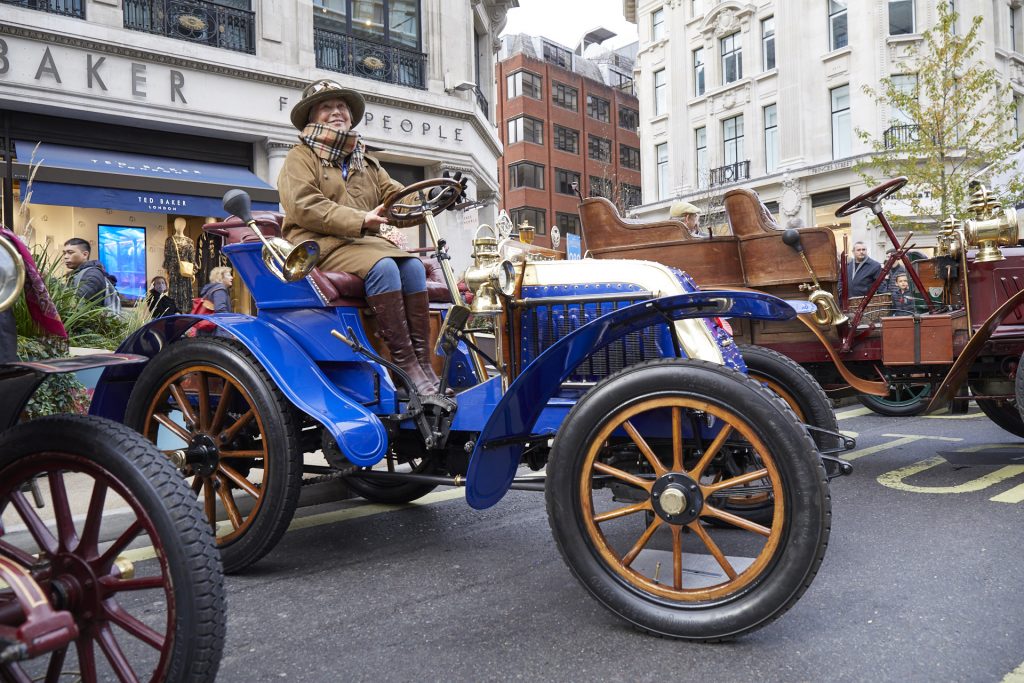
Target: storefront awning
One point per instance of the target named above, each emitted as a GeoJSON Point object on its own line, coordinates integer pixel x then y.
{"type": "Point", "coordinates": [87, 178]}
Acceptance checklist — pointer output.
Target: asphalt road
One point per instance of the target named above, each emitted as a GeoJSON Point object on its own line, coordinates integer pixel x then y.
{"type": "Point", "coordinates": [921, 582]}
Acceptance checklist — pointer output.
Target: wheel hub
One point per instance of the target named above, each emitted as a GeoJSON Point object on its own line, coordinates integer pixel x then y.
{"type": "Point", "coordinates": [202, 454]}
{"type": "Point", "coordinates": [676, 498]}
{"type": "Point", "coordinates": [75, 586]}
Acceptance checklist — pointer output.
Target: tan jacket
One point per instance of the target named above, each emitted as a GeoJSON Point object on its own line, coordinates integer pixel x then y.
{"type": "Point", "coordinates": [321, 206]}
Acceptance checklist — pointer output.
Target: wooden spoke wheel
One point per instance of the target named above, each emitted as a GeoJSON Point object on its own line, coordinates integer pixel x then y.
{"type": "Point", "coordinates": [105, 526]}
{"type": "Point", "coordinates": [209, 404]}
{"type": "Point", "coordinates": [633, 478]}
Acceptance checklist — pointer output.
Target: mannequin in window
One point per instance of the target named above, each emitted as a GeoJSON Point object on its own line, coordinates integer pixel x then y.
{"type": "Point", "coordinates": [178, 249]}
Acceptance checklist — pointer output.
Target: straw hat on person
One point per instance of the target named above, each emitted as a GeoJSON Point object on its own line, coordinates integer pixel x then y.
{"type": "Point", "coordinates": [326, 89]}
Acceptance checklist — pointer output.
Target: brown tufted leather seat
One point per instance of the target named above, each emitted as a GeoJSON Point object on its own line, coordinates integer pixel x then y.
{"type": "Point", "coordinates": [340, 289]}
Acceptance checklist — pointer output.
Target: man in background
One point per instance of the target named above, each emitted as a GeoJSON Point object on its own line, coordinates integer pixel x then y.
{"type": "Point", "coordinates": [861, 271]}
{"type": "Point", "coordinates": [689, 215]}
{"type": "Point", "coordinates": [87, 276]}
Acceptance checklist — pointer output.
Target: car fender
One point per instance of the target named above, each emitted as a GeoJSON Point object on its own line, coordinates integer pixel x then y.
{"type": "Point", "coordinates": [360, 434]}
{"type": "Point", "coordinates": [958, 372]}
{"type": "Point", "coordinates": [498, 449]}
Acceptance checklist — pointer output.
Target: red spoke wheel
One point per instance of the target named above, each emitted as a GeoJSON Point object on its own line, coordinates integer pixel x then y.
{"type": "Point", "coordinates": [210, 399]}
{"type": "Point", "coordinates": [107, 528]}
{"type": "Point", "coordinates": [629, 493]}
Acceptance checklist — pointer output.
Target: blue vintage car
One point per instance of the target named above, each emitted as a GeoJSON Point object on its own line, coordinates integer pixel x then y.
{"type": "Point", "coordinates": [686, 496]}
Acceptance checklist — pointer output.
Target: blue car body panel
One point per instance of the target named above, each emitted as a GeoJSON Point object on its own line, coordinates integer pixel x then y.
{"type": "Point", "coordinates": [494, 460]}
{"type": "Point", "coordinates": [359, 432]}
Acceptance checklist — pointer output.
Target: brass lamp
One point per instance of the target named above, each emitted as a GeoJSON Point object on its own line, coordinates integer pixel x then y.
{"type": "Point", "coordinates": [490, 276]}
{"type": "Point", "coordinates": [991, 228]}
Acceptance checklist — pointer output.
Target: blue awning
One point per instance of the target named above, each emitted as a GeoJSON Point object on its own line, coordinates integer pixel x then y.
{"type": "Point", "coordinates": [75, 176]}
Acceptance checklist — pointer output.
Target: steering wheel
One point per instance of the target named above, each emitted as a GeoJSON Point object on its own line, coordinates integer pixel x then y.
{"type": "Point", "coordinates": [871, 198]}
{"type": "Point", "coordinates": [409, 206]}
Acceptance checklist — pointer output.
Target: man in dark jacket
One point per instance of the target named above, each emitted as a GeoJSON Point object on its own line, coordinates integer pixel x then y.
{"type": "Point", "coordinates": [861, 271]}
{"type": "Point", "coordinates": [87, 275]}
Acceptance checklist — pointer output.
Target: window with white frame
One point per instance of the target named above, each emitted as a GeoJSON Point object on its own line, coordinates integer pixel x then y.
{"type": "Point", "coordinates": [698, 71]}
{"type": "Point", "coordinates": [901, 17]}
{"type": "Point", "coordinates": [732, 140]}
{"type": "Point", "coordinates": [842, 140]}
{"type": "Point", "coordinates": [658, 24]}
{"type": "Point", "coordinates": [661, 154]}
{"type": "Point", "coordinates": [838, 34]}
{"type": "Point", "coordinates": [523, 83]}
{"type": "Point", "coordinates": [768, 43]}
{"type": "Point", "coordinates": [525, 129]}
{"type": "Point", "coordinates": [701, 156]}
{"type": "Point", "coordinates": [660, 92]}
{"type": "Point", "coordinates": [905, 84]}
{"type": "Point", "coordinates": [771, 138]}
{"type": "Point", "coordinates": [732, 58]}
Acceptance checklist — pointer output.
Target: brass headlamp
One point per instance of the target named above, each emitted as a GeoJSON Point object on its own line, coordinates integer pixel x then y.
{"type": "Point", "coordinates": [490, 276]}
{"type": "Point", "coordinates": [947, 242]}
{"type": "Point", "coordinates": [991, 228]}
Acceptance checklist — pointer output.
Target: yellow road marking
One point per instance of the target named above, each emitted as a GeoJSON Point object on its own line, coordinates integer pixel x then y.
{"type": "Point", "coordinates": [968, 416]}
{"type": "Point", "coordinates": [1015, 676]}
{"type": "Point", "coordinates": [367, 510]}
{"type": "Point", "coordinates": [901, 440]}
{"type": "Point", "coordinates": [894, 479]}
{"type": "Point", "coordinates": [856, 412]}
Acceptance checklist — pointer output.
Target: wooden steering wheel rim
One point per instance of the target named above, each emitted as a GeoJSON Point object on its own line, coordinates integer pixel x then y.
{"type": "Point", "coordinates": [433, 206]}
{"type": "Point", "coordinates": [872, 196]}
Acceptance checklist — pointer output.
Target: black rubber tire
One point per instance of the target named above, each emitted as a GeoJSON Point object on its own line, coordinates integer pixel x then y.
{"type": "Point", "coordinates": [192, 572]}
{"type": "Point", "coordinates": [896, 408]}
{"type": "Point", "coordinates": [390, 493]}
{"type": "Point", "coordinates": [1004, 413]}
{"type": "Point", "coordinates": [279, 489]}
{"type": "Point", "coordinates": [797, 387]}
{"type": "Point", "coordinates": [794, 561]}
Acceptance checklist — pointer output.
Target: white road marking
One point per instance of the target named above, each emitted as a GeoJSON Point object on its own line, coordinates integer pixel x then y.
{"type": "Point", "coordinates": [901, 440]}
{"type": "Point", "coordinates": [1015, 676]}
{"type": "Point", "coordinates": [856, 412]}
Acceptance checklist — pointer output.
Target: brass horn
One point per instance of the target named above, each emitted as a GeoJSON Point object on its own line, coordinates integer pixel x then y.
{"type": "Point", "coordinates": [826, 310]}
{"type": "Point", "coordinates": [287, 261]}
{"type": "Point", "coordinates": [12, 274]}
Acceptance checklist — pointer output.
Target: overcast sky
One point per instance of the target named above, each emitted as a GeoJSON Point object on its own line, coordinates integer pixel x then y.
{"type": "Point", "coordinates": [565, 21]}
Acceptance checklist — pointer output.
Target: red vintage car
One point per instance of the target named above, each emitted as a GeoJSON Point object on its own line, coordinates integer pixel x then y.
{"type": "Point", "coordinates": [964, 338]}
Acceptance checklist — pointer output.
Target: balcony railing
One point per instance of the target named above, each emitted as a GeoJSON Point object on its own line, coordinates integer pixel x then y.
{"type": "Point", "coordinates": [197, 21]}
{"type": "Point", "coordinates": [68, 8]}
{"type": "Point", "coordinates": [730, 173]}
{"type": "Point", "coordinates": [482, 102]}
{"type": "Point", "coordinates": [902, 134]}
{"type": "Point", "coordinates": [388, 63]}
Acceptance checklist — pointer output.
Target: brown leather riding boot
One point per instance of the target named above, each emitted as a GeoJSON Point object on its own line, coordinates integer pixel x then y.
{"type": "Point", "coordinates": [389, 309]}
{"type": "Point", "coordinates": [417, 313]}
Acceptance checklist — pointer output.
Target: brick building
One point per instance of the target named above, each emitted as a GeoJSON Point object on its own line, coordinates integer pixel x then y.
{"type": "Point", "coordinates": [565, 117]}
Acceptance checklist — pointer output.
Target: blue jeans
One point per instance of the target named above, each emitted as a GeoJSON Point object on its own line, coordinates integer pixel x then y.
{"type": "Point", "coordinates": [392, 275]}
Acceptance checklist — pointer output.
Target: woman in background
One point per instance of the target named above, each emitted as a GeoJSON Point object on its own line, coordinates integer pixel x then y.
{"type": "Point", "coordinates": [216, 291]}
{"type": "Point", "coordinates": [158, 301]}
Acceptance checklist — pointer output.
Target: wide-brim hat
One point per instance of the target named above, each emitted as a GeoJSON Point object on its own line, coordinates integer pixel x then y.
{"type": "Point", "coordinates": [680, 209]}
{"type": "Point", "coordinates": [326, 89]}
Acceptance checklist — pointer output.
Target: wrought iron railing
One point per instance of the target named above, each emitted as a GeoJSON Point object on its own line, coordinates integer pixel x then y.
{"type": "Point", "coordinates": [481, 102]}
{"type": "Point", "coordinates": [68, 8]}
{"type": "Point", "coordinates": [388, 63]}
{"type": "Point", "coordinates": [730, 173]}
{"type": "Point", "coordinates": [901, 134]}
{"type": "Point", "coordinates": [197, 21]}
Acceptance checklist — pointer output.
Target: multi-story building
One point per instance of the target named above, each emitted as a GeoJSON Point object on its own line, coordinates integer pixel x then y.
{"type": "Point", "coordinates": [565, 117]}
{"type": "Point", "coordinates": [149, 109]}
{"type": "Point", "coordinates": [769, 95]}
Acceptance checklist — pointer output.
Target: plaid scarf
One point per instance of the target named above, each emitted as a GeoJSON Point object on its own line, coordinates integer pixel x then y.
{"type": "Point", "coordinates": [334, 147]}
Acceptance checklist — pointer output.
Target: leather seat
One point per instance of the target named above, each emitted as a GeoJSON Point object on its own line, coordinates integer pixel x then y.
{"type": "Point", "coordinates": [340, 289]}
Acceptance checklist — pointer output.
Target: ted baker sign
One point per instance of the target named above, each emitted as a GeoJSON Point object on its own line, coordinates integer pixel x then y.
{"type": "Point", "coordinates": [51, 65]}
